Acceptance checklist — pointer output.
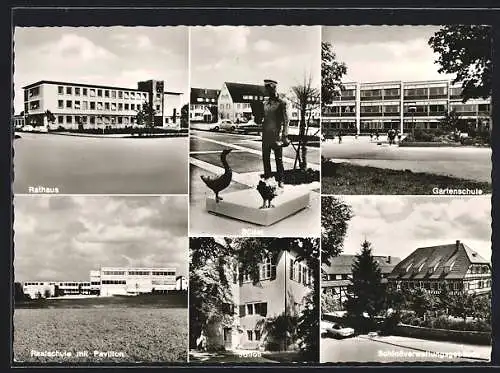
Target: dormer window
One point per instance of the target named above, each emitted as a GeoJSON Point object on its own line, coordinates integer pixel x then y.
{"type": "Point", "coordinates": [409, 267]}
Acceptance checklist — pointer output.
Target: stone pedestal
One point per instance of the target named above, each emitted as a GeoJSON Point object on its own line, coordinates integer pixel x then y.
{"type": "Point", "coordinates": [245, 205]}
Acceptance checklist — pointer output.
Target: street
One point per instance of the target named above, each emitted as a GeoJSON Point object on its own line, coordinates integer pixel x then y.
{"type": "Point", "coordinates": [470, 163]}
{"type": "Point", "coordinates": [84, 165]}
{"type": "Point", "coordinates": [388, 349]}
{"type": "Point", "coordinates": [246, 162]}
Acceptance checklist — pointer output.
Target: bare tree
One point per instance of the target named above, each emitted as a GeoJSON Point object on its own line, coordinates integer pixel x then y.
{"type": "Point", "coordinates": [306, 98]}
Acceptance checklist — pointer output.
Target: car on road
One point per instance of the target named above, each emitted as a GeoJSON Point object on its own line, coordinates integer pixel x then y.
{"type": "Point", "coordinates": [249, 126]}
{"type": "Point", "coordinates": [28, 128]}
{"type": "Point", "coordinates": [223, 124]}
{"type": "Point", "coordinates": [335, 330]}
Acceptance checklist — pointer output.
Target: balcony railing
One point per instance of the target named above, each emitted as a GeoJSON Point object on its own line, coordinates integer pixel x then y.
{"type": "Point", "coordinates": [371, 98]}
{"type": "Point", "coordinates": [416, 97]}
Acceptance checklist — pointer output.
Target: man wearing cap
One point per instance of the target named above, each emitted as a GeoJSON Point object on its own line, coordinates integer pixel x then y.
{"type": "Point", "coordinates": [274, 131]}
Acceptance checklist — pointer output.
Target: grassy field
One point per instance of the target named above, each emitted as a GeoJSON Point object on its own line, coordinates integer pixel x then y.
{"type": "Point", "coordinates": [133, 334]}
{"type": "Point", "coordinates": [344, 178]}
{"type": "Point", "coordinates": [172, 300]}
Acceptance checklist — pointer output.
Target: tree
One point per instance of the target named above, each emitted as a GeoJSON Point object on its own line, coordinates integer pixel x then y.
{"type": "Point", "coordinates": [306, 98]}
{"type": "Point", "coordinates": [466, 51]}
{"type": "Point", "coordinates": [450, 122]}
{"type": "Point", "coordinates": [332, 72]}
{"type": "Point", "coordinates": [19, 295]}
{"type": "Point", "coordinates": [146, 115]}
{"type": "Point", "coordinates": [280, 331]}
{"type": "Point", "coordinates": [214, 110]}
{"type": "Point", "coordinates": [329, 302]}
{"type": "Point", "coordinates": [51, 118]}
{"type": "Point", "coordinates": [185, 116]}
{"type": "Point", "coordinates": [335, 216]}
{"type": "Point", "coordinates": [422, 302]}
{"type": "Point", "coordinates": [366, 292]}
{"type": "Point", "coordinates": [47, 293]}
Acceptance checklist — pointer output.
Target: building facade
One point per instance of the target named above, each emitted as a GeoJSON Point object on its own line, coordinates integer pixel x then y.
{"type": "Point", "coordinates": [362, 108]}
{"type": "Point", "coordinates": [283, 284]}
{"type": "Point", "coordinates": [456, 266]}
{"type": "Point", "coordinates": [336, 278]}
{"type": "Point", "coordinates": [203, 105]}
{"type": "Point", "coordinates": [238, 102]}
{"type": "Point", "coordinates": [109, 281]}
{"type": "Point", "coordinates": [83, 106]}
{"type": "Point", "coordinates": [18, 121]}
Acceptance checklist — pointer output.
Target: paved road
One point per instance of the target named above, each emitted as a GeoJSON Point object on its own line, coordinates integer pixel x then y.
{"type": "Point", "coordinates": [83, 165]}
{"type": "Point", "coordinates": [400, 349]}
{"type": "Point", "coordinates": [246, 163]}
{"type": "Point", "coordinates": [467, 163]}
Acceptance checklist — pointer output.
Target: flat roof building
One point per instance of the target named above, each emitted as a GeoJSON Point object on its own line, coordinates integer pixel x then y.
{"type": "Point", "coordinates": [81, 106]}
{"type": "Point", "coordinates": [380, 106]}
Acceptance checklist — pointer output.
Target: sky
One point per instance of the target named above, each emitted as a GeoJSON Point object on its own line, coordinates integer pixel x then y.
{"type": "Point", "coordinates": [245, 54]}
{"type": "Point", "coordinates": [384, 53]}
{"type": "Point", "coordinates": [114, 56]}
{"type": "Point", "coordinates": [397, 225]}
{"type": "Point", "coordinates": [62, 238]}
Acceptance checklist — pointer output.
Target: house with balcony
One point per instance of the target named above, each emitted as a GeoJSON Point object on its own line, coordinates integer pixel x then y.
{"type": "Point", "coordinates": [336, 278]}
{"type": "Point", "coordinates": [456, 266]}
{"type": "Point", "coordinates": [363, 108]}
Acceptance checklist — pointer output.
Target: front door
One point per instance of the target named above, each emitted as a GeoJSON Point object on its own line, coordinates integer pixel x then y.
{"type": "Point", "coordinates": [228, 338]}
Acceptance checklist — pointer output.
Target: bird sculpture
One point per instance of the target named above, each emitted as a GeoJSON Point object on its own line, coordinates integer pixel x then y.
{"type": "Point", "coordinates": [267, 190]}
{"type": "Point", "coordinates": [221, 182]}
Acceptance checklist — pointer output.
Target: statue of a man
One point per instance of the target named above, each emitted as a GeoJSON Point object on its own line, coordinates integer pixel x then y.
{"type": "Point", "coordinates": [274, 131]}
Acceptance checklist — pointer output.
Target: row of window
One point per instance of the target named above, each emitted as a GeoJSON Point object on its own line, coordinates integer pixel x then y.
{"type": "Point", "coordinates": [479, 269]}
{"type": "Point", "coordinates": [93, 105]}
{"type": "Point", "coordinates": [430, 109]}
{"type": "Point", "coordinates": [205, 99]}
{"type": "Point", "coordinates": [331, 277]}
{"type": "Point", "coordinates": [258, 308]}
{"type": "Point", "coordinates": [96, 92]}
{"type": "Point", "coordinates": [139, 273]}
{"type": "Point", "coordinates": [266, 271]}
{"type": "Point", "coordinates": [82, 119]}
{"type": "Point", "coordinates": [254, 97]}
{"type": "Point", "coordinates": [113, 282]}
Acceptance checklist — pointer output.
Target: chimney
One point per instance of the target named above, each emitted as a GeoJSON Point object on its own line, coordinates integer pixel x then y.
{"type": "Point", "coordinates": [457, 244]}
{"type": "Point", "coordinates": [389, 259]}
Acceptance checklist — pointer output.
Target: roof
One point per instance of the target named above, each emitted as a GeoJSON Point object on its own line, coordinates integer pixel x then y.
{"type": "Point", "coordinates": [450, 261]}
{"type": "Point", "coordinates": [73, 84]}
{"type": "Point", "coordinates": [342, 264]}
{"type": "Point", "coordinates": [238, 90]}
{"type": "Point", "coordinates": [204, 93]}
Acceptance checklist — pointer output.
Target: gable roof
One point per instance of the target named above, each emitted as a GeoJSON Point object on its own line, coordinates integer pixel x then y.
{"type": "Point", "coordinates": [204, 93]}
{"type": "Point", "coordinates": [342, 264]}
{"type": "Point", "coordinates": [450, 261]}
{"type": "Point", "coordinates": [238, 90]}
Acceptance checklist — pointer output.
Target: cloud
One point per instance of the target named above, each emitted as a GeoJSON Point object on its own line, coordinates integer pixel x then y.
{"type": "Point", "coordinates": [398, 225]}
{"type": "Point", "coordinates": [66, 243]}
{"type": "Point", "coordinates": [263, 45]}
{"type": "Point", "coordinates": [72, 47]}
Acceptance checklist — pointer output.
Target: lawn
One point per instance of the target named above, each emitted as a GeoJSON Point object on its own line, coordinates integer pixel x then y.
{"type": "Point", "coordinates": [150, 335]}
{"type": "Point", "coordinates": [344, 178]}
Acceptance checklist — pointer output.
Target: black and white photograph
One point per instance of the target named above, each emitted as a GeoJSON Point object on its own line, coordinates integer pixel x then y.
{"type": "Point", "coordinates": [101, 110]}
{"type": "Point", "coordinates": [100, 280]}
{"type": "Point", "coordinates": [253, 300]}
{"type": "Point", "coordinates": [406, 279]}
{"type": "Point", "coordinates": [406, 110]}
{"type": "Point", "coordinates": [254, 130]}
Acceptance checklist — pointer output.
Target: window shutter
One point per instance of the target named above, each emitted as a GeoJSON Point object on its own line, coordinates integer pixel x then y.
{"type": "Point", "coordinates": [273, 272]}
{"type": "Point", "coordinates": [242, 311]}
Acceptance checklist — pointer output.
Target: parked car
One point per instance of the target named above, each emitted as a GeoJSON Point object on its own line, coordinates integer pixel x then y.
{"type": "Point", "coordinates": [214, 126]}
{"type": "Point", "coordinates": [335, 330]}
{"type": "Point", "coordinates": [28, 128]}
{"type": "Point", "coordinates": [250, 126]}
{"type": "Point", "coordinates": [226, 124]}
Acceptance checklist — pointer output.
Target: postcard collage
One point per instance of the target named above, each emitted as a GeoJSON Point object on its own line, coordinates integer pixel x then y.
{"type": "Point", "coordinates": [252, 195]}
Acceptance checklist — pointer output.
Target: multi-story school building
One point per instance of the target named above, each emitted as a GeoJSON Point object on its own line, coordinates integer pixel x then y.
{"type": "Point", "coordinates": [363, 108]}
